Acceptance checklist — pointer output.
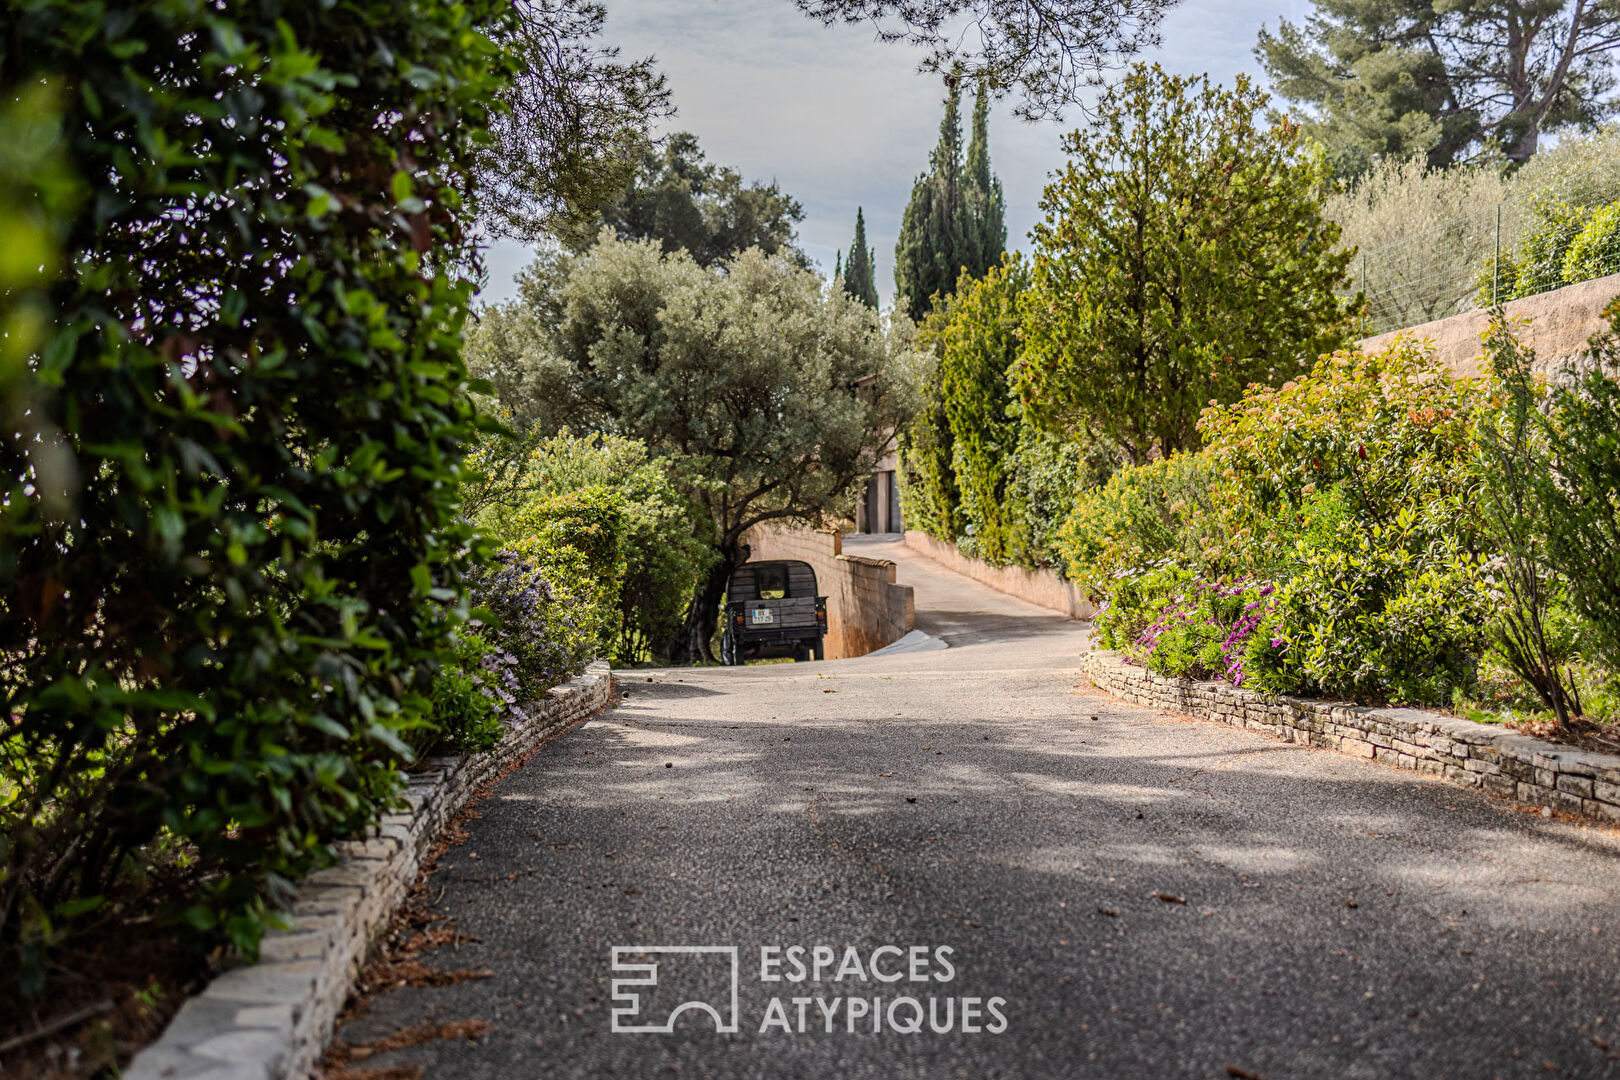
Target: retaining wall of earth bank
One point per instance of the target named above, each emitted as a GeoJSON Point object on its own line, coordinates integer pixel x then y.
{"type": "Point", "coordinates": [1560, 322]}
{"type": "Point", "coordinates": [866, 610]}
{"type": "Point", "coordinates": [271, 1020]}
{"type": "Point", "coordinates": [1479, 755]}
{"type": "Point", "coordinates": [1040, 587]}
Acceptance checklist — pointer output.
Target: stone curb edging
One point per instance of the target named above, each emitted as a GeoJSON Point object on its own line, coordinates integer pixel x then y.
{"type": "Point", "coordinates": [271, 1020]}
{"type": "Point", "coordinates": [1479, 755]}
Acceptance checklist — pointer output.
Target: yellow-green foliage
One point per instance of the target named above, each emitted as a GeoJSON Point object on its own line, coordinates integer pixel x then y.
{"type": "Point", "coordinates": [1390, 431]}
{"type": "Point", "coordinates": [980, 341]}
{"type": "Point", "coordinates": [576, 540]}
{"type": "Point", "coordinates": [1595, 251]}
{"type": "Point", "coordinates": [1145, 516]}
{"type": "Point", "coordinates": [663, 543]}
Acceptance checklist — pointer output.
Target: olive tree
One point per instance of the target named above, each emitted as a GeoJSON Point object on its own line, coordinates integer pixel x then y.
{"type": "Point", "coordinates": [770, 393]}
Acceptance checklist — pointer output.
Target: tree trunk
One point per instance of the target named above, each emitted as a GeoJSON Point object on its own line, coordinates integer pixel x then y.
{"type": "Point", "coordinates": [703, 613]}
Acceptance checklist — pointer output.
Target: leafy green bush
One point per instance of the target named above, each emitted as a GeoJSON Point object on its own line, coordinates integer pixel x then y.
{"type": "Point", "coordinates": [1595, 251]}
{"type": "Point", "coordinates": [1349, 490]}
{"type": "Point", "coordinates": [1008, 485]}
{"type": "Point", "coordinates": [930, 498]}
{"type": "Point", "coordinates": [472, 692]}
{"type": "Point", "coordinates": [1180, 624]}
{"type": "Point", "coordinates": [1205, 631]}
{"type": "Point", "coordinates": [662, 536]}
{"type": "Point", "coordinates": [1144, 517]}
{"type": "Point", "coordinates": [1538, 264]}
{"type": "Point", "coordinates": [1372, 612]}
{"type": "Point", "coordinates": [573, 540]}
{"type": "Point", "coordinates": [1569, 515]}
{"type": "Point", "coordinates": [1135, 604]}
{"type": "Point", "coordinates": [1047, 473]}
{"type": "Point", "coordinates": [1564, 244]}
{"type": "Point", "coordinates": [231, 532]}
{"type": "Point", "coordinates": [1390, 432]}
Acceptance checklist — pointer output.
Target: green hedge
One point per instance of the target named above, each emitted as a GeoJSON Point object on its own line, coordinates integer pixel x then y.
{"type": "Point", "coordinates": [662, 535]}
{"type": "Point", "coordinates": [231, 541]}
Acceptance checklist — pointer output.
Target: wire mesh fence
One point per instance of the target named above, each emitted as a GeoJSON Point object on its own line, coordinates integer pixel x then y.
{"type": "Point", "coordinates": [1520, 246]}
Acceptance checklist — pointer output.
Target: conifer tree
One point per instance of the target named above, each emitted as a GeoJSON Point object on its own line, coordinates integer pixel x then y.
{"type": "Point", "coordinates": [860, 277]}
{"type": "Point", "coordinates": [986, 209]}
{"type": "Point", "coordinates": [955, 217]}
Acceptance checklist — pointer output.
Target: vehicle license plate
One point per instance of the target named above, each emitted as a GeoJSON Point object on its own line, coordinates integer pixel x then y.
{"type": "Point", "coordinates": [761, 616]}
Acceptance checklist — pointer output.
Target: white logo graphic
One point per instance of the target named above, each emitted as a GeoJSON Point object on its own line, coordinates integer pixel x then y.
{"type": "Point", "coordinates": [628, 1001]}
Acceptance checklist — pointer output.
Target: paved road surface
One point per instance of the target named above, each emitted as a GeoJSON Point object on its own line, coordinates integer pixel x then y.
{"type": "Point", "coordinates": [1340, 919]}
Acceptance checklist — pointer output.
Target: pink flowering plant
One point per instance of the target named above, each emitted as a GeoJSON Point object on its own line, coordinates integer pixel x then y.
{"type": "Point", "coordinates": [1205, 631]}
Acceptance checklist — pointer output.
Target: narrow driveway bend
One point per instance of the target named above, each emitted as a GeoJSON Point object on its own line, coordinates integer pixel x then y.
{"type": "Point", "coordinates": [1151, 897]}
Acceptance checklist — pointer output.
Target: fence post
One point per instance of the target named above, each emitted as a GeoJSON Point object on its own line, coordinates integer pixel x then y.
{"type": "Point", "coordinates": [1496, 262]}
{"type": "Point", "coordinates": [1365, 302]}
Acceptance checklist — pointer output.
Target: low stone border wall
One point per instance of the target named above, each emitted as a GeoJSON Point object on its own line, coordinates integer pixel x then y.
{"type": "Point", "coordinates": [1480, 755]}
{"type": "Point", "coordinates": [271, 1020]}
{"type": "Point", "coordinates": [1042, 588]}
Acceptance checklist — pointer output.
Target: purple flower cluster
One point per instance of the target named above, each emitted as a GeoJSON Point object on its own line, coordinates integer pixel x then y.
{"type": "Point", "coordinates": [496, 676]}
{"type": "Point", "coordinates": [1208, 604]}
{"type": "Point", "coordinates": [537, 636]}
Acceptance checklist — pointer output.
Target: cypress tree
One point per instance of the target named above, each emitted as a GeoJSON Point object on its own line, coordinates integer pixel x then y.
{"type": "Point", "coordinates": [955, 221]}
{"type": "Point", "coordinates": [860, 276]}
{"type": "Point", "coordinates": [986, 209]}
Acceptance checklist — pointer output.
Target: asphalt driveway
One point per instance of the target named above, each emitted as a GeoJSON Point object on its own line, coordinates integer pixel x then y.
{"type": "Point", "coordinates": [1143, 896]}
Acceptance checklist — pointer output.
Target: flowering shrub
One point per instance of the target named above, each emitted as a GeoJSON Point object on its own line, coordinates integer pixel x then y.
{"type": "Point", "coordinates": [472, 694]}
{"type": "Point", "coordinates": [524, 636]}
{"type": "Point", "coordinates": [575, 537]}
{"type": "Point", "coordinates": [663, 548]}
{"type": "Point", "coordinates": [1367, 616]}
{"type": "Point", "coordinates": [1388, 433]}
{"type": "Point", "coordinates": [546, 633]}
{"type": "Point", "coordinates": [1332, 549]}
{"type": "Point", "coordinates": [1203, 630]}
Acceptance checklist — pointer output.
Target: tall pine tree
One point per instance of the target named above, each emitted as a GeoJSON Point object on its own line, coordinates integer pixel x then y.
{"type": "Point", "coordinates": [955, 221]}
{"type": "Point", "coordinates": [860, 273]}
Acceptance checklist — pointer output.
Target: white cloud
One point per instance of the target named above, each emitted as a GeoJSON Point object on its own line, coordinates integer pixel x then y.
{"type": "Point", "coordinates": [842, 120]}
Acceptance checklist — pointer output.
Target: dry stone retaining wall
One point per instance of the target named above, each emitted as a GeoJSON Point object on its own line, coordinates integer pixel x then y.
{"type": "Point", "coordinates": [271, 1020]}
{"type": "Point", "coordinates": [1480, 755]}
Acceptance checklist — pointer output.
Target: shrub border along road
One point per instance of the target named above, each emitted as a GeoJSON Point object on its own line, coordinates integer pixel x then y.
{"type": "Point", "coordinates": [1479, 755]}
{"type": "Point", "coordinates": [270, 1020]}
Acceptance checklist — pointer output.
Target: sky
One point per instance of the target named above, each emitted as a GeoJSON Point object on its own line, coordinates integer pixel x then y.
{"type": "Point", "coordinates": [842, 120]}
